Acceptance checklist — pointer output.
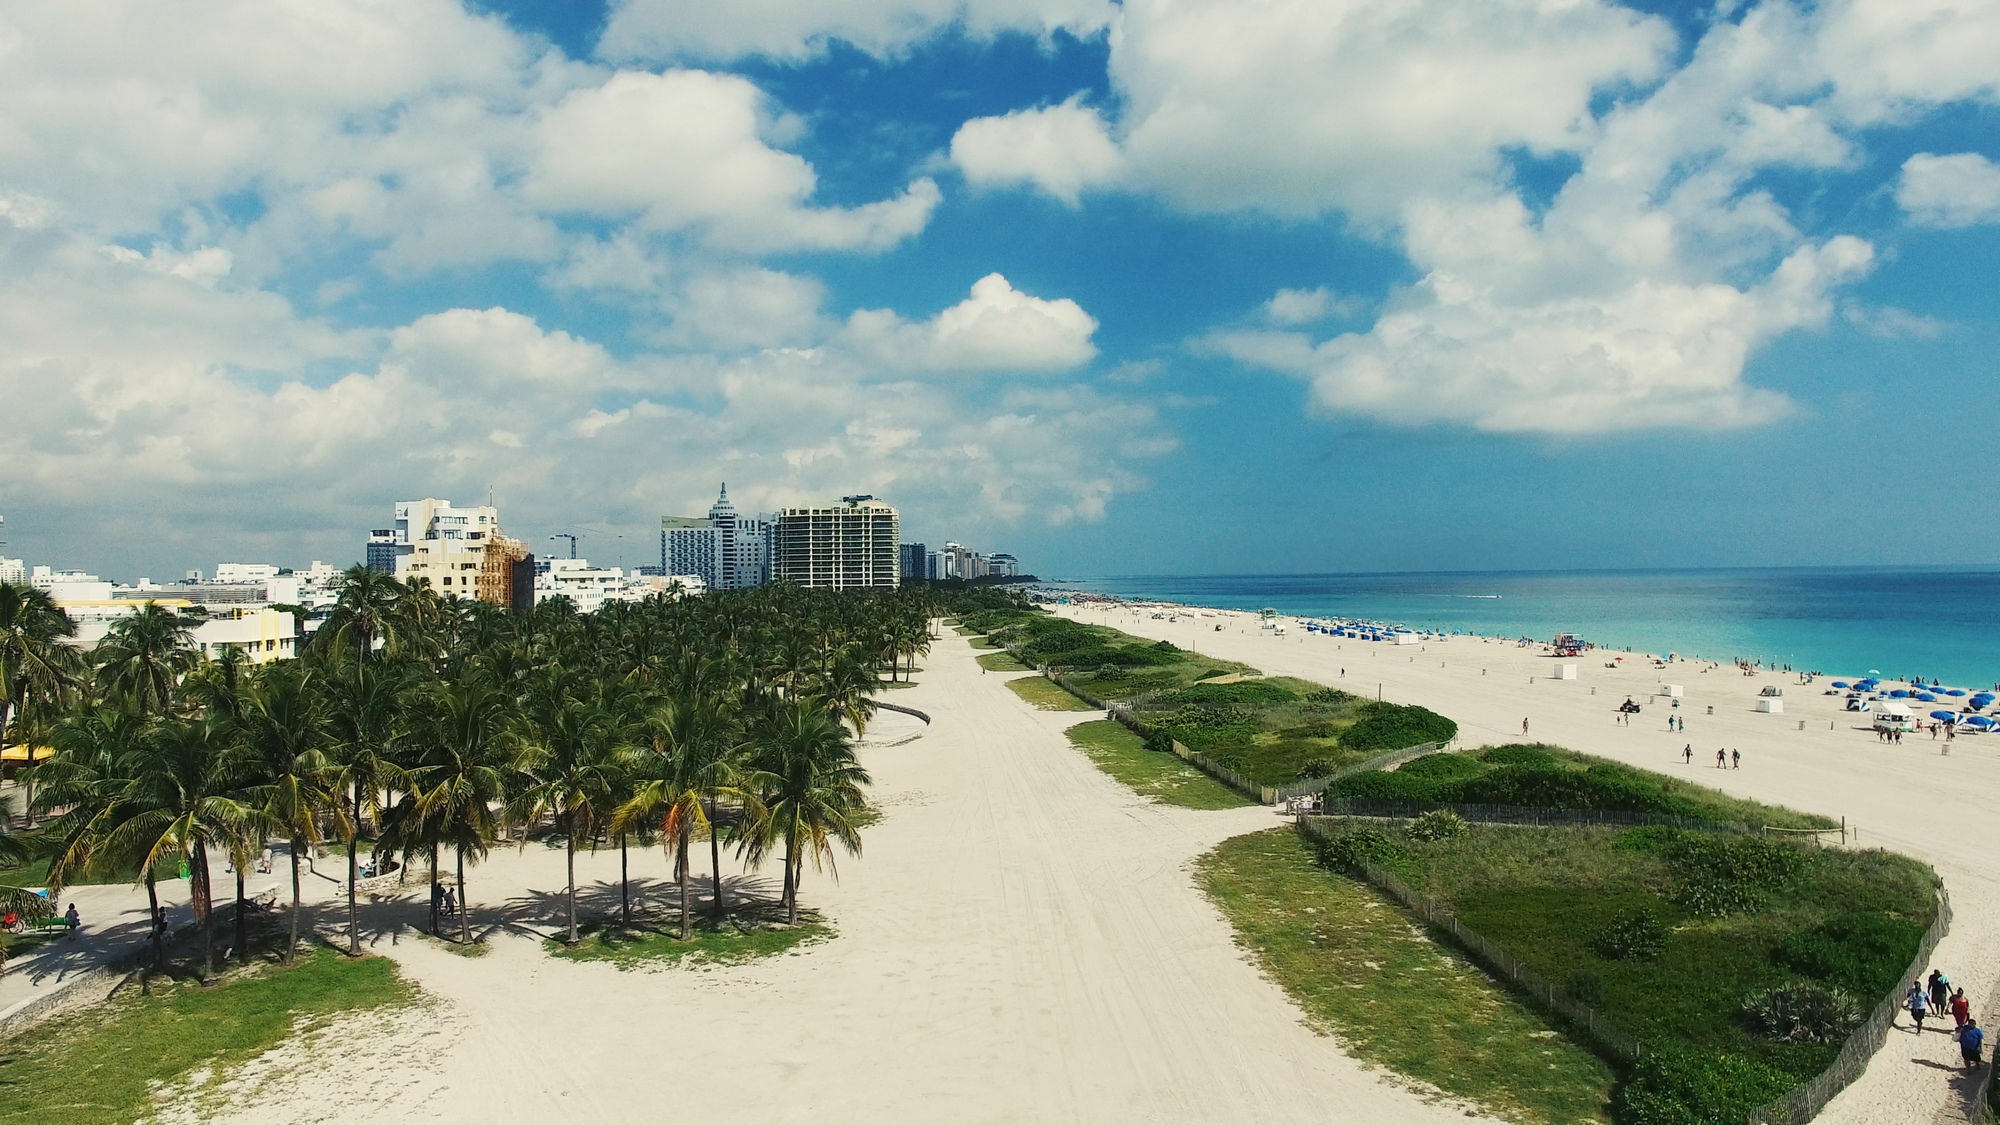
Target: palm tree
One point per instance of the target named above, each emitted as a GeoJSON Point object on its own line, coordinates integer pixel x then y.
{"type": "Point", "coordinates": [810, 783]}
{"type": "Point", "coordinates": [144, 655]}
{"type": "Point", "coordinates": [363, 703]}
{"type": "Point", "coordinates": [464, 774]}
{"type": "Point", "coordinates": [39, 670]}
{"type": "Point", "coordinates": [285, 735]}
{"type": "Point", "coordinates": [368, 610]}
{"type": "Point", "coordinates": [181, 798]}
{"type": "Point", "coordinates": [687, 761]}
{"type": "Point", "coordinates": [569, 767]}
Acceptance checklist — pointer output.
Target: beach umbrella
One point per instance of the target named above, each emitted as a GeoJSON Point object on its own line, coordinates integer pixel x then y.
{"type": "Point", "coordinates": [1899, 693]}
{"type": "Point", "coordinates": [1943, 715]}
{"type": "Point", "coordinates": [1926, 697]}
{"type": "Point", "coordinates": [1955, 693]}
{"type": "Point", "coordinates": [1981, 698]}
{"type": "Point", "coordinates": [1977, 722]}
{"type": "Point", "coordinates": [1840, 683]}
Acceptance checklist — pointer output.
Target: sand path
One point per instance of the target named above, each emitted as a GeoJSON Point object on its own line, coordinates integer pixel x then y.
{"type": "Point", "coordinates": [1910, 798]}
{"type": "Point", "coordinates": [1022, 941]}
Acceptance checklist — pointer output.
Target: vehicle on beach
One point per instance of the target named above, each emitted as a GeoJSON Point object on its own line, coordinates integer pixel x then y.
{"type": "Point", "coordinates": [1567, 644]}
{"type": "Point", "coordinates": [1894, 717]}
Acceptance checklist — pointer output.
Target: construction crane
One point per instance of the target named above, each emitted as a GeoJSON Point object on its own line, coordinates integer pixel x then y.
{"type": "Point", "coordinates": [568, 536]}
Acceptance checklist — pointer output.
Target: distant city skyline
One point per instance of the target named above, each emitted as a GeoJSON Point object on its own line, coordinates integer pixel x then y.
{"type": "Point", "coordinates": [1177, 288]}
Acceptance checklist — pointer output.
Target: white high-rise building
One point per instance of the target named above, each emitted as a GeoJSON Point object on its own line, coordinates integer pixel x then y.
{"type": "Point", "coordinates": [853, 545]}
{"type": "Point", "coordinates": [728, 550]}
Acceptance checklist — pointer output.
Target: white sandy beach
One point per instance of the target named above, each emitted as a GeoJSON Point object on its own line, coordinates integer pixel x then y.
{"type": "Point", "coordinates": [1021, 941]}
{"type": "Point", "coordinates": [1910, 798]}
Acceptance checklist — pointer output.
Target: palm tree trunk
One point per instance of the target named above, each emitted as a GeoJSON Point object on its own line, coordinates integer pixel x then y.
{"type": "Point", "coordinates": [791, 880]}
{"type": "Point", "coordinates": [292, 949]}
{"type": "Point", "coordinates": [715, 859]}
{"type": "Point", "coordinates": [687, 918]}
{"type": "Point", "coordinates": [242, 946]}
{"type": "Point", "coordinates": [203, 894]}
{"type": "Point", "coordinates": [353, 874]}
{"type": "Point", "coordinates": [153, 920]}
{"type": "Point", "coordinates": [464, 903]}
{"type": "Point", "coordinates": [437, 927]}
{"type": "Point", "coordinates": [572, 888]}
{"type": "Point", "coordinates": [29, 810]}
{"type": "Point", "coordinates": [624, 882]}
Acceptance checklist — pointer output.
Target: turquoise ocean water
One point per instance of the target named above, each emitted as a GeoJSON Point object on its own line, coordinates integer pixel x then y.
{"type": "Point", "coordinates": [1904, 621]}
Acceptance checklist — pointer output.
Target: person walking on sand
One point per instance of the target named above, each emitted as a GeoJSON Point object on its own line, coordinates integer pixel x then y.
{"type": "Point", "coordinates": [1961, 1009]}
{"type": "Point", "coordinates": [1917, 1005]}
{"type": "Point", "coordinates": [1970, 1039]}
{"type": "Point", "coordinates": [1940, 993]}
{"type": "Point", "coordinates": [1736, 759]}
{"type": "Point", "coordinates": [1720, 759]}
{"type": "Point", "coordinates": [1524, 728]}
{"type": "Point", "coordinates": [1688, 753]}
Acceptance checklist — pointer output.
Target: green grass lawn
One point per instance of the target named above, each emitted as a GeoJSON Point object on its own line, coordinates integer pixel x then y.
{"type": "Point", "coordinates": [1353, 962]}
{"type": "Point", "coordinates": [1163, 777]}
{"type": "Point", "coordinates": [1002, 662]}
{"type": "Point", "coordinates": [729, 944]}
{"type": "Point", "coordinates": [1543, 776]}
{"type": "Point", "coordinates": [1046, 694]}
{"type": "Point", "coordinates": [102, 1064]}
{"type": "Point", "coordinates": [1735, 915]}
{"type": "Point", "coordinates": [36, 874]}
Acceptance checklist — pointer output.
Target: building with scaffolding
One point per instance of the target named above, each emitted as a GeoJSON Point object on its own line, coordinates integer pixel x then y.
{"type": "Point", "coordinates": [458, 552]}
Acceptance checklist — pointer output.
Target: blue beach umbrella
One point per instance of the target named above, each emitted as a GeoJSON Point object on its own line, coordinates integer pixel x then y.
{"type": "Point", "coordinates": [1956, 693]}
{"type": "Point", "coordinates": [1981, 698]}
{"type": "Point", "coordinates": [1840, 683]}
{"type": "Point", "coordinates": [1926, 697]}
{"type": "Point", "coordinates": [1977, 722]}
{"type": "Point", "coordinates": [1899, 693]}
{"type": "Point", "coordinates": [1943, 715]}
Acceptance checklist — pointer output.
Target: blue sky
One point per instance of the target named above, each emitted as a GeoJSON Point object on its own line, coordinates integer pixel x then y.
{"type": "Point", "coordinates": [1153, 286]}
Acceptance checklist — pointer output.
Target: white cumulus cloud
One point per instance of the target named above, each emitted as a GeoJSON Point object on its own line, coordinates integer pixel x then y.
{"type": "Point", "coordinates": [1959, 190]}
{"type": "Point", "coordinates": [1064, 150]}
{"type": "Point", "coordinates": [665, 29]}
{"type": "Point", "coordinates": [996, 328]}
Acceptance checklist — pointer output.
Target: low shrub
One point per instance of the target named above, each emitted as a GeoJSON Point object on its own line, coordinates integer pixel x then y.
{"type": "Point", "coordinates": [1437, 769]}
{"type": "Point", "coordinates": [1314, 769]}
{"type": "Point", "coordinates": [1318, 728]}
{"type": "Point", "coordinates": [1808, 1012]}
{"type": "Point", "coordinates": [1160, 741]}
{"type": "Point", "coordinates": [1517, 754]}
{"type": "Point", "coordinates": [1639, 936]}
{"type": "Point", "coordinates": [1716, 876]}
{"type": "Point", "coordinates": [1677, 1086]}
{"type": "Point", "coordinates": [1587, 987]}
{"type": "Point", "coordinates": [1350, 851]}
{"type": "Point", "coordinates": [1858, 953]}
{"type": "Point", "coordinates": [1438, 824]}
{"type": "Point", "coordinates": [1647, 840]}
{"type": "Point", "coordinates": [1391, 726]}
{"type": "Point", "coordinates": [1328, 697]}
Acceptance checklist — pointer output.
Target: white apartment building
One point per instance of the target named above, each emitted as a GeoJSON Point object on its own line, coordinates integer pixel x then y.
{"type": "Point", "coordinates": [849, 546]}
{"type": "Point", "coordinates": [589, 587]}
{"type": "Point", "coordinates": [232, 573]}
{"type": "Point", "coordinates": [262, 633]}
{"type": "Point", "coordinates": [14, 571]}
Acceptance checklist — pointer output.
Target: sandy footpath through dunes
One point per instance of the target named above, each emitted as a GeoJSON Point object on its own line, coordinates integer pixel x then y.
{"type": "Point", "coordinates": [1911, 798]}
{"type": "Point", "coordinates": [1022, 941]}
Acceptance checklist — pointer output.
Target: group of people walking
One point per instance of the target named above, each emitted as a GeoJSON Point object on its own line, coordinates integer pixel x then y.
{"type": "Point", "coordinates": [1724, 759]}
{"type": "Point", "coordinates": [1936, 997]}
